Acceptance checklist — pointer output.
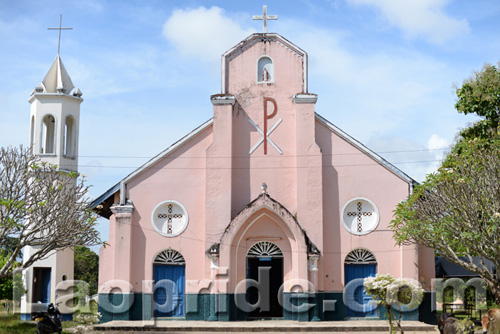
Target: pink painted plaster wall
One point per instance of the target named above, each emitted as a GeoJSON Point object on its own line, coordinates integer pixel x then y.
{"type": "Point", "coordinates": [348, 173]}
{"type": "Point", "coordinates": [315, 176]}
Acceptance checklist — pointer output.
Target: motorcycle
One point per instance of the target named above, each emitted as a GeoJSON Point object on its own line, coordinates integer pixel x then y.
{"type": "Point", "coordinates": [49, 321]}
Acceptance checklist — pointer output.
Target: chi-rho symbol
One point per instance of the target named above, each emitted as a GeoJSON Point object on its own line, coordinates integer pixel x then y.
{"type": "Point", "coordinates": [266, 133]}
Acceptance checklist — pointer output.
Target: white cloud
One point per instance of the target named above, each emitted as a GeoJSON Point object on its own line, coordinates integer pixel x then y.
{"type": "Point", "coordinates": [425, 18]}
{"type": "Point", "coordinates": [203, 33]}
{"type": "Point", "coordinates": [390, 87]}
{"type": "Point", "coordinates": [435, 142]}
{"type": "Point", "coordinates": [437, 145]}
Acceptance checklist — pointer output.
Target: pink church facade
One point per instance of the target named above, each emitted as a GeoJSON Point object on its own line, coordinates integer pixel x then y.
{"type": "Point", "coordinates": [266, 211]}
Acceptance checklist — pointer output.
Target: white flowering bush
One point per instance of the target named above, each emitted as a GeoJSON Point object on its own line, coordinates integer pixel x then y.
{"type": "Point", "coordinates": [394, 294]}
{"type": "Point", "coordinates": [87, 320]}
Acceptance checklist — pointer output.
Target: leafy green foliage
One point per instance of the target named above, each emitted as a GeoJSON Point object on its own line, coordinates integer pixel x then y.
{"type": "Point", "coordinates": [40, 206]}
{"type": "Point", "coordinates": [456, 210]}
{"type": "Point", "coordinates": [87, 269]}
{"type": "Point", "coordinates": [480, 94]}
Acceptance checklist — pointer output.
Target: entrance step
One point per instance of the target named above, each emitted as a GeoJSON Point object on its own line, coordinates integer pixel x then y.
{"type": "Point", "coordinates": [349, 326]}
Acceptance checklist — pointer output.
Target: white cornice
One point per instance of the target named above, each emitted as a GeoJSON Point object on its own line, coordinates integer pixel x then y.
{"type": "Point", "coordinates": [52, 95]}
{"type": "Point", "coordinates": [222, 99]}
{"type": "Point", "coordinates": [305, 98]}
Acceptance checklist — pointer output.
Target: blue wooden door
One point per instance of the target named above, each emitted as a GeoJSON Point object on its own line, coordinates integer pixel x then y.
{"type": "Point", "coordinates": [356, 300]}
{"type": "Point", "coordinates": [45, 296]}
{"type": "Point", "coordinates": [41, 285]}
{"type": "Point", "coordinates": [169, 290]}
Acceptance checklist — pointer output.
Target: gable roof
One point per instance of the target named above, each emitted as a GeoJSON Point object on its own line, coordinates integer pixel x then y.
{"type": "Point", "coordinates": [109, 194]}
{"type": "Point", "coordinates": [384, 163]}
{"type": "Point", "coordinates": [120, 185]}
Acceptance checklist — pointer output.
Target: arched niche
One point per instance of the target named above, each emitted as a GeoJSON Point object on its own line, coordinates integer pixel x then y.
{"type": "Point", "coordinates": [265, 70]}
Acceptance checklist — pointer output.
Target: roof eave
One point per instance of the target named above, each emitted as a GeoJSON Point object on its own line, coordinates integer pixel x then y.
{"type": "Point", "coordinates": [149, 164]}
{"type": "Point", "coordinates": [384, 163]}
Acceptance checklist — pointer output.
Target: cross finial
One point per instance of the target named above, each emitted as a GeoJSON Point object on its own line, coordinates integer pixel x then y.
{"type": "Point", "coordinates": [60, 28]}
{"type": "Point", "coordinates": [264, 18]}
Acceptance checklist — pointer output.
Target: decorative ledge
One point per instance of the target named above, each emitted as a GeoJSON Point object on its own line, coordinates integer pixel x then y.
{"type": "Point", "coordinates": [221, 99]}
{"type": "Point", "coordinates": [127, 208]}
{"type": "Point", "coordinates": [305, 98]}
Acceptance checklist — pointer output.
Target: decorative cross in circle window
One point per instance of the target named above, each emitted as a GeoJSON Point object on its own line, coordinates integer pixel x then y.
{"type": "Point", "coordinates": [169, 216]}
{"type": "Point", "coordinates": [360, 214]}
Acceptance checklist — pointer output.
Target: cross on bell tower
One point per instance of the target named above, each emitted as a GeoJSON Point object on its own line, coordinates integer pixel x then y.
{"type": "Point", "coordinates": [264, 18]}
{"type": "Point", "coordinates": [60, 28]}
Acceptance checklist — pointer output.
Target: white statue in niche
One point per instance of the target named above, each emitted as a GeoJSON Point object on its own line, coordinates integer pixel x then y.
{"type": "Point", "coordinates": [265, 70]}
{"type": "Point", "coordinates": [265, 75]}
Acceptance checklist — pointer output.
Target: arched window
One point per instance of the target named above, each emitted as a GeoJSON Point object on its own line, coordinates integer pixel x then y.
{"type": "Point", "coordinates": [264, 249]}
{"type": "Point", "coordinates": [169, 256]}
{"type": "Point", "coordinates": [360, 216]}
{"type": "Point", "coordinates": [48, 135]}
{"type": "Point", "coordinates": [265, 70]}
{"type": "Point", "coordinates": [360, 256]}
{"type": "Point", "coordinates": [69, 137]}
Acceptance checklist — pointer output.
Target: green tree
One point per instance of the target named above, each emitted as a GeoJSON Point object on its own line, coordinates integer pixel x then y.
{"type": "Point", "coordinates": [480, 95]}
{"type": "Point", "coordinates": [87, 268]}
{"type": "Point", "coordinates": [456, 210]}
{"type": "Point", "coordinates": [40, 206]}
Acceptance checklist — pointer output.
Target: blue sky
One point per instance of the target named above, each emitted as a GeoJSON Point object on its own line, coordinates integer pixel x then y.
{"type": "Point", "coordinates": [383, 70]}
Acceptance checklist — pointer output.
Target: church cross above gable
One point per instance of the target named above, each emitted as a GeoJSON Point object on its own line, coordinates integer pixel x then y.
{"type": "Point", "coordinates": [60, 28]}
{"type": "Point", "coordinates": [265, 17]}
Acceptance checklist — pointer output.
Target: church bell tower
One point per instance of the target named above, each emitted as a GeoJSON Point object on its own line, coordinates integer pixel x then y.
{"type": "Point", "coordinates": [54, 131]}
{"type": "Point", "coordinates": [55, 118]}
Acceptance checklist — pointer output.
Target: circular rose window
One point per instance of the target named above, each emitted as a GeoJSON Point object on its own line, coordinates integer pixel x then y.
{"type": "Point", "coordinates": [360, 216]}
{"type": "Point", "coordinates": [170, 218]}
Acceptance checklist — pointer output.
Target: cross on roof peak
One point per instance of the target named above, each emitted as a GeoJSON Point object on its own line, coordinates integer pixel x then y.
{"type": "Point", "coordinates": [264, 17]}
{"type": "Point", "coordinates": [60, 28]}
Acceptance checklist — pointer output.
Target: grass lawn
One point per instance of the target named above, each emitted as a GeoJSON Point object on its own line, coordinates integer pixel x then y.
{"type": "Point", "coordinates": [12, 324]}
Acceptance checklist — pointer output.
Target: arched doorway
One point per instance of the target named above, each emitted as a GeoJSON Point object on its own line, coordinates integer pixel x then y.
{"type": "Point", "coordinates": [169, 274]}
{"type": "Point", "coordinates": [359, 264]}
{"type": "Point", "coordinates": [264, 280]}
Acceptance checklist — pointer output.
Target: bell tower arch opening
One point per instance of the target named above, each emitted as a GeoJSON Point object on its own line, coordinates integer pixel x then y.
{"type": "Point", "coordinates": [48, 134]}
{"type": "Point", "coordinates": [69, 137]}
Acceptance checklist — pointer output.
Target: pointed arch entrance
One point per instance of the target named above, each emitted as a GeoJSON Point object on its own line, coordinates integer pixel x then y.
{"type": "Point", "coordinates": [265, 275]}
{"type": "Point", "coordinates": [262, 223]}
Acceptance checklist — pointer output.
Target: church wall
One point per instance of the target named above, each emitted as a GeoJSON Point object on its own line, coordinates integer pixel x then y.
{"type": "Point", "coordinates": [179, 177]}
{"type": "Point", "coordinates": [251, 170]}
{"type": "Point", "coordinates": [427, 269]}
{"type": "Point", "coordinates": [349, 173]}
{"type": "Point", "coordinates": [311, 174]}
